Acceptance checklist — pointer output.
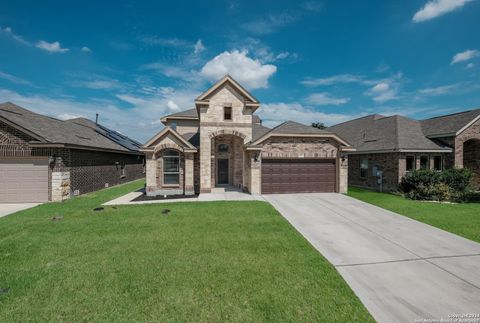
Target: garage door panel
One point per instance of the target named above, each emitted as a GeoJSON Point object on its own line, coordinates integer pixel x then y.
{"type": "Point", "coordinates": [298, 176]}
{"type": "Point", "coordinates": [23, 180]}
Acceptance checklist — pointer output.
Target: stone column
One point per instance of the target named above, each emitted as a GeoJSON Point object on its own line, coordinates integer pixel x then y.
{"type": "Point", "coordinates": [60, 186]}
{"type": "Point", "coordinates": [255, 173]}
{"type": "Point", "coordinates": [205, 162]}
{"type": "Point", "coordinates": [458, 151]}
{"type": "Point", "coordinates": [151, 173]}
{"type": "Point", "coordinates": [343, 173]}
{"type": "Point", "coordinates": [189, 183]}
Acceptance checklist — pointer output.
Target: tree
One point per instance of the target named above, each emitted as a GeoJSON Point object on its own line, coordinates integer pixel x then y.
{"type": "Point", "coordinates": [319, 125]}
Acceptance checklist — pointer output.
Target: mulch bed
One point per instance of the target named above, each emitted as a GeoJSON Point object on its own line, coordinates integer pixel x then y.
{"type": "Point", "coordinates": [161, 197]}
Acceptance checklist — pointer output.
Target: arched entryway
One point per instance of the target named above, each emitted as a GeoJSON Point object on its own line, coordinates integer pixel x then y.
{"type": "Point", "coordinates": [227, 160]}
{"type": "Point", "coordinates": [471, 158]}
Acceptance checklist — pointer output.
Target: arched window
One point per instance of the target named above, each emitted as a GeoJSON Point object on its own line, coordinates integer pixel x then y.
{"type": "Point", "coordinates": [171, 167]}
{"type": "Point", "coordinates": [223, 148]}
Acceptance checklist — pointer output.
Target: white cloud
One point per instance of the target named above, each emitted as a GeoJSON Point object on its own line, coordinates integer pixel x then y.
{"type": "Point", "coordinates": [313, 6]}
{"type": "Point", "coordinates": [98, 84]}
{"type": "Point", "coordinates": [436, 8]}
{"type": "Point", "coordinates": [262, 52]}
{"type": "Point", "coordinates": [439, 90]}
{"type": "Point", "coordinates": [8, 31]}
{"type": "Point", "coordinates": [86, 49]}
{"type": "Point", "coordinates": [249, 72]}
{"type": "Point", "coordinates": [465, 56]}
{"type": "Point", "coordinates": [165, 42]}
{"type": "Point", "coordinates": [173, 106]}
{"type": "Point", "coordinates": [145, 110]}
{"type": "Point", "coordinates": [14, 79]}
{"type": "Point", "coordinates": [199, 47]}
{"type": "Point", "coordinates": [383, 91]}
{"type": "Point", "coordinates": [470, 65]}
{"type": "Point", "coordinates": [325, 99]}
{"type": "Point", "coordinates": [172, 71]}
{"type": "Point", "coordinates": [54, 47]}
{"type": "Point", "coordinates": [335, 79]}
{"type": "Point", "coordinates": [274, 113]}
{"type": "Point", "coordinates": [269, 23]}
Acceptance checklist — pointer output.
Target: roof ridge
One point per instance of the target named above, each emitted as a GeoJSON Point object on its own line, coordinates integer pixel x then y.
{"type": "Point", "coordinates": [451, 114]}
{"type": "Point", "coordinates": [356, 119]}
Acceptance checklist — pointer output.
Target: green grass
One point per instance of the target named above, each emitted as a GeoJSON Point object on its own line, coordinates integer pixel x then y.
{"type": "Point", "coordinates": [462, 219]}
{"type": "Point", "coordinates": [204, 262]}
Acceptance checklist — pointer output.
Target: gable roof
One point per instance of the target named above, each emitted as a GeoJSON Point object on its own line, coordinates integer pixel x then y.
{"type": "Point", "coordinates": [79, 132]}
{"type": "Point", "coordinates": [190, 114]}
{"type": "Point", "coordinates": [227, 79]}
{"type": "Point", "coordinates": [167, 130]}
{"type": "Point", "coordinates": [295, 129]}
{"type": "Point", "coordinates": [449, 125]}
{"type": "Point", "coordinates": [378, 133]}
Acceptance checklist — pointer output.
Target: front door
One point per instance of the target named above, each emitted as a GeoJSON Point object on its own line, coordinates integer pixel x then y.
{"type": "Point", "coordinates": [222, 171]}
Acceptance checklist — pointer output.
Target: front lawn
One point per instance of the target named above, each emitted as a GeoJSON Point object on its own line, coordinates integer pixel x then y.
{"type": "Point", "coordinates": [462, 219]}
{"type": "Point", "coordinates": [204, 262]}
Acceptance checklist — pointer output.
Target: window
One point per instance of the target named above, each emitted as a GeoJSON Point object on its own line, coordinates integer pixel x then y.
{"type": "Point", "coordinates": [171, 167]}
{"type": "Point", "coordinates": [223, 148]}
{"type": "Point", "coordinates": [424, 162]}
{"type": "Point", "coordinates": [227, 113]}
{"type": "Point", "coordinates": [410, 161]}
{"type": "Point", "coordinates": [364, 168]}
{"type": "Point", "coordinates": [437, 163]}
{"type": "Point", "coordinates": [173, 125]}
{"type": "Point", "coordinates": [124, 171]}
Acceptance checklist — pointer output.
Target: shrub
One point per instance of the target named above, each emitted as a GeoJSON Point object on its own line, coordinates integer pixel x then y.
{"type": "Point", "coordinates": [458, 179]}
{"type": "Point", "coordinates": [448, 185]}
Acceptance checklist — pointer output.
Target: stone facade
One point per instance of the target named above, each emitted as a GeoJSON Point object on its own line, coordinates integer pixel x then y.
{"type": "Point", "coordinates": [244, 161]}
{"type": "Point", "coordinates": [73, 171]}
{"type": "Point", "coordinates": [212, 124]}
{"type": "Point", "coordinates": [234, 155]}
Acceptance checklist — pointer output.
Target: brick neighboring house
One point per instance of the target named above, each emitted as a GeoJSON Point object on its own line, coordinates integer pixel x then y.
{"type": "Point", "coordinates": [222, 143]}
{"type": "Point", "coordinates": [396, 145]}
{"type": "Point", "coordinates": [45, 159]}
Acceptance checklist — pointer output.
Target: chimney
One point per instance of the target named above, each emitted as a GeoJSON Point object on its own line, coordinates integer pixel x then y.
{"type": "Point", "coordinates": [96, 118]}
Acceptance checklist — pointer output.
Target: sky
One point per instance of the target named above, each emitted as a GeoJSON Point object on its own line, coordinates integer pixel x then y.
{"type": "Point", "coordinates": [313, 61]}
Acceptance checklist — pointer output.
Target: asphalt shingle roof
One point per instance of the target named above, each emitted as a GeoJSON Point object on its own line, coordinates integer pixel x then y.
{"type": "Point", "coordinates": [80, 131]}
{"type": "Point", "coordinates": [379, 133]}
{"type": "Point", "coordinates": [190, 113]}
{"type": "Point", "coordinates": [449, 124]}
{"type": "Point", "coordinates": [292, 127]}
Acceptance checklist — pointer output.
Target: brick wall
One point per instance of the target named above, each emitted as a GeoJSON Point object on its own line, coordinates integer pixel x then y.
{"type": "Point", "coordinates": [387, 162]}
{"type": "Point", "coordinates": [94, 170]}
{"type": "Point", "coordinates": [393, 166]}
{"type": "Point", "coordinates": [89, 170]}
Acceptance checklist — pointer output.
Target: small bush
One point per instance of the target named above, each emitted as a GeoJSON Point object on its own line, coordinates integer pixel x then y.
{"type": "Point", "coordinates": [448, 185]}
{"type": "Point", "coordinates": [457, 179]}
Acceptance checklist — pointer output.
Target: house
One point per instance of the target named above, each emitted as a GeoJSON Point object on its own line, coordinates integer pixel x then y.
{"type": "Point", "coordinates": [396, 145]}
{"type": "Point", "coordinates": [221, 142]}
{"type": "Point", "coordinates": [46, 159]}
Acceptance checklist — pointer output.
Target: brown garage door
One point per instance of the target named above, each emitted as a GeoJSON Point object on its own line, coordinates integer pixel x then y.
{"type": "Point", "coordinates": [23, 180]}
{"type": "Point", "coordinates": [298, 175]}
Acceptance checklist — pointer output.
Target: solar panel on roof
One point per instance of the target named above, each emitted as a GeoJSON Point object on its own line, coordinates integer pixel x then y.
{"type": "Point", "coordinates": [119, 138]}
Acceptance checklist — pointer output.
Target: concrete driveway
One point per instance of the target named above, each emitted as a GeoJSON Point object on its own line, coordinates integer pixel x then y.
{"type": "Point", "coordinates": [401, 269]}
{"type": "Point", "coordinates": [9, 208]}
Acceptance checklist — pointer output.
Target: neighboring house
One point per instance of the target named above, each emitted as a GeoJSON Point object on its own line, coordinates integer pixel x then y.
{"type": "Point", "coordinates": [45, 159]}
{"type": "Point", "coordinates": [221, 142]}
{"type": "Point", "coordinates": [396, 145]}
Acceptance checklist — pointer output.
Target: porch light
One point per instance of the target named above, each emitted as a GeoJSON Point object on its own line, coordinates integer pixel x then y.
{"type": "Point", "coordinates": [51, 159]}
